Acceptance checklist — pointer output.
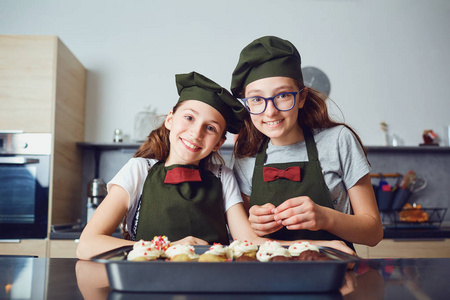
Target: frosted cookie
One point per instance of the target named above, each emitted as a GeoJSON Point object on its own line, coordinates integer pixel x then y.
{"type": "Point", "coordinates": [298, 247]}
{"type": "Point", "coordinates": [243, 251]}
{"type": "Point", "coordinates": [144, 251]}
{"type": "Point", "coordinates": [161, 243]}
{"type": "Point", "coordinates": [271, 249]}
{"type": "Point", "coordinates": [184, 252]}
{"type": "Point", "coordinates": [216, 253]}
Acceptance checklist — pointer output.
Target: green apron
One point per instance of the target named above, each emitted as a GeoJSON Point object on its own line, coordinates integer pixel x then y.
{"type": "Point", "coordinates": [312, 184]}
{"type": "Point", "coordinates": [184, 209]}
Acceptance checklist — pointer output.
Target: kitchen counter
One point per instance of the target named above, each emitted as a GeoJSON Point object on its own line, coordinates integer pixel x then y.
{"type": "Point", "coordinates": [417, 234]}
{"type": "Point", "coordinates": [74, 234]}
{"type": "Point", "coordinates": [61, 278]}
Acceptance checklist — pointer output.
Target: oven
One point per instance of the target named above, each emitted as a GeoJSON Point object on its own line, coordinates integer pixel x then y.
{"type": "Point", "coordinates": [24, 184]}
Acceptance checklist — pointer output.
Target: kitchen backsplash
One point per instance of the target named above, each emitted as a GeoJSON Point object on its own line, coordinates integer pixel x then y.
{"type": "Point", "coordinates": [432, 164]}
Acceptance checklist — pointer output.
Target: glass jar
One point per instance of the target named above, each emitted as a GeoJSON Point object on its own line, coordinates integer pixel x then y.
{"type": "Point", "coordinates": [144, 123]}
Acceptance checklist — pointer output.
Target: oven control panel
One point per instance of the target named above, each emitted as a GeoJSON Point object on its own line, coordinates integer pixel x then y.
{"type": "Point", "coordinates": [25, 143]}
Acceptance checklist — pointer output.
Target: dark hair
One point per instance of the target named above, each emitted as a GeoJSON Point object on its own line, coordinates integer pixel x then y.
{"type": "Point", "coordinates": [314, 114]}
{"type": "Point", "coordinates": [157, 146]}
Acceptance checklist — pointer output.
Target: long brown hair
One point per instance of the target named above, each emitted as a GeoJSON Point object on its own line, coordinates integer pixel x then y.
{"type": "Point", "coordinates": [157, 146]}
{"type": "Point", "coordinates": [314, 115]}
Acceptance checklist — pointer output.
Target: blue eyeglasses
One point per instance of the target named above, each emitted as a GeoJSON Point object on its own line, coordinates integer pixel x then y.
{"type": "Point", "coordinates": [283, 102]}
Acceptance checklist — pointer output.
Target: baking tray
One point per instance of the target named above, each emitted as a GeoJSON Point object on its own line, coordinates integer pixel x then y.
{"type": "Point", "coordinates": [225, 277]}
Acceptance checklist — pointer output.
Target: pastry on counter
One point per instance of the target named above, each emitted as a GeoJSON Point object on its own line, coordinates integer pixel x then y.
{"type": "Point", "coordinates": [413, 213]}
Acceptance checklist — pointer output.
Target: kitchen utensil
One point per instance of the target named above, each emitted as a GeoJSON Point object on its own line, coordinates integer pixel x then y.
{"type": "Point", "coordinates": [96, 191]}
{"type": "Point", "coordinates": [418, 184]}
{"type": "Point", "coordinates": [401, 197]}
{"type": "Point", "coordinates": [408, 179]}
{"type": "Point", "coordinates": [386, 193]}
{"type": "Point", "coordinates": [410, 184]}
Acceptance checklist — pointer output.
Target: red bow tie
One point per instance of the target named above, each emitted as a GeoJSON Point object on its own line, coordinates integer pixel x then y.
{"type": "Point", "coordinates": [181, 174]}
{"type": "Point", "coordinates": [291, 173]}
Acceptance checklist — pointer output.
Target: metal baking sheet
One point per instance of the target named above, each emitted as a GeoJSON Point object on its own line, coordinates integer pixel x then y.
{"type": "Point", "coordinates": [228, 277]}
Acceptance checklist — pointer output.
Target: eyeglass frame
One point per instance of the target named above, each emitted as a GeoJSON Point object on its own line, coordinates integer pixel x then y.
{"type": "Point", "coordinates": [244, 101]}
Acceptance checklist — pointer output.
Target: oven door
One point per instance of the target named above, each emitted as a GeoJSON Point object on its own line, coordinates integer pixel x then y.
{"type": "Point", "coordinates": [24, 186]}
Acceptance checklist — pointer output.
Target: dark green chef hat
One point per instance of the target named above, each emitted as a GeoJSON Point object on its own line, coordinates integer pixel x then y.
{"type": "Point", "coordinates": [194, 86]}
{"type": "Point", "coordinates": [268, 56]}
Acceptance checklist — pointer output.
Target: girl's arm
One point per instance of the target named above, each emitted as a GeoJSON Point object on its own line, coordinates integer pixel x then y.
{"type": "Point", "coordinates": [363, 227]}
{"type": "Point", "coordinates": [239, 225]}
{"type": "Point", "coordinates": [97, 237]}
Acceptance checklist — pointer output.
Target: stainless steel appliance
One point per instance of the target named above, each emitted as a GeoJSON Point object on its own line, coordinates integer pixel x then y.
{"type": "Point", "coordinates": [96, 193]}
{"type": "Point", "coordinates": [24, 184]}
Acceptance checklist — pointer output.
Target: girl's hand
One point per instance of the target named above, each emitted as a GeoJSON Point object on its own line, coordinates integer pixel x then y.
{"type": "Point", "coordinates": [191, 241]}
{"type": "Point", "coordinates": [300, 213]}
{"type": "Point", "coordinates": [262, 219]}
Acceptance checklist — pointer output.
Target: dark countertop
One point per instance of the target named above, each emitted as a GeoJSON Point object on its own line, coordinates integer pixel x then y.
{"type": "Point", "coordinates": [418, 234]}
{"type": "Point", "coordinates": [68, 278]}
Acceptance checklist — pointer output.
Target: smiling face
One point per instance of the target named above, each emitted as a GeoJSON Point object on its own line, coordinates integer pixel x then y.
{"type": "Point", "coordinates": [280, 126]}
{"type": "Point", "coordinates": [196, 129]}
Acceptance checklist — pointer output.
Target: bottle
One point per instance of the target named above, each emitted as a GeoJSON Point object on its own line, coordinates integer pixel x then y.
{"type": "Point", "coordinates": [117, 136]}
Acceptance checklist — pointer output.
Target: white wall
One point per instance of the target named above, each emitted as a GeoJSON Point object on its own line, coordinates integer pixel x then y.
{"type": "Point", "coordinates": [387, 60]}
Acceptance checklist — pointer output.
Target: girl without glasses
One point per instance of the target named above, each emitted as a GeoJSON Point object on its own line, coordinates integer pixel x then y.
{"type": "Point", "coordinates": [302, 175]}
{"type": "Point", "coordinates": [174, 186]}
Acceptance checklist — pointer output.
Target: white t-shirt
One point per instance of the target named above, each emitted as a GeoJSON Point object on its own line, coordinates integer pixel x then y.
{"type": "Point", "coordinates": [341, 158]}
{"type": "Point", "coordinates": [133, 174]}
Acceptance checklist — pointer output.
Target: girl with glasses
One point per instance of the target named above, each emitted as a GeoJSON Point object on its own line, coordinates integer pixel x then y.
{"type": "Point", "coordinates": [302, 175]}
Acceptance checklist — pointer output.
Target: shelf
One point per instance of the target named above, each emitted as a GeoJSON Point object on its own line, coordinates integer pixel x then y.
{"type": "Point", "coordinates": [370, 149]}
{"type": "Point", "coordinates": [120, 146]}
{"type": "Point", "coordinates": [408, 149]}
{"type": "Point", "coordinates": [108, 146]}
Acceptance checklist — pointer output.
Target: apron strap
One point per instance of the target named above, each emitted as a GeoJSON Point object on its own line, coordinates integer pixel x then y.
{"type": "Point", "coordinates": [311, 148]}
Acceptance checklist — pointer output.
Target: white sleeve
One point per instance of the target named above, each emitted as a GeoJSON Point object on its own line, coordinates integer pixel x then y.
{"type": "Point", "coordinates": [132, 178]}
{"type": "Point", "coordinates": [230, 188]}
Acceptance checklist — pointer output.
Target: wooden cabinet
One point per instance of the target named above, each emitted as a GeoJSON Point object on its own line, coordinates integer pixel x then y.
{"type": "Point", "coordinates": [26, 247]}
{"type": "Point", "coordinates": [389, 248]}
{"type": "Point", "coordinates": [42, 89]}
{"type": "Point", "coordinates": [63, 248]}
{"type": "Point", "coordinates": [40, 248]}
